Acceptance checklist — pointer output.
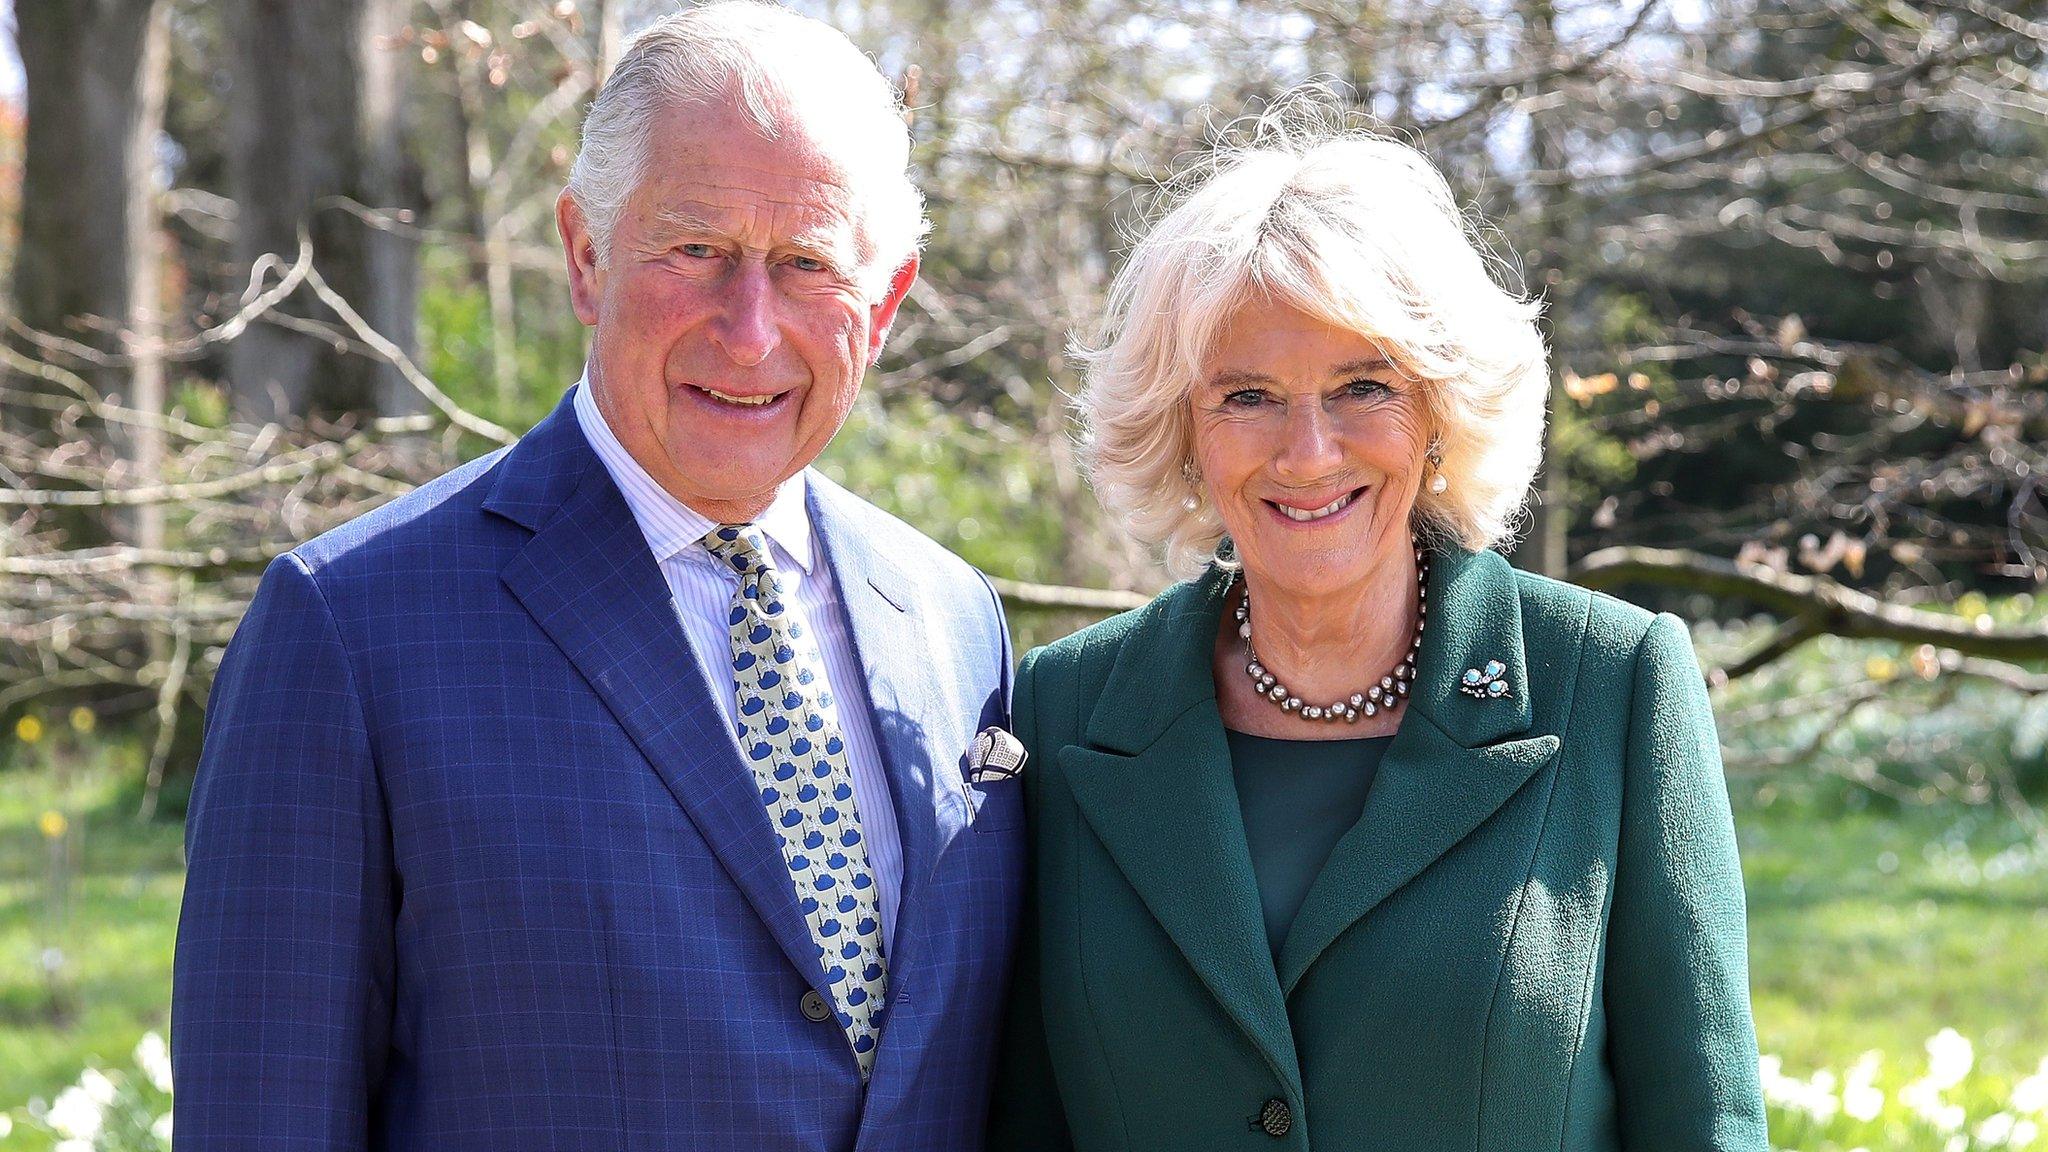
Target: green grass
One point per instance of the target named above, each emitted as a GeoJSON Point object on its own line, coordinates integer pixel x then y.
{"type": "Point", "coordinates": [1874, 923]}
{"type": "Point", "coordinates": [116, 936]}
{"type": "Point", "coordinates": [1878, 929]}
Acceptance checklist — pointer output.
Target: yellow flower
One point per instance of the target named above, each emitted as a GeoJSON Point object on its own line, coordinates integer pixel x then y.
{"type": "Point", "coordinates": [28, 729]}
{"type": "Point", "coordinates": [82, 720]}
{"type": "Point", "coordinates": [53, 824]}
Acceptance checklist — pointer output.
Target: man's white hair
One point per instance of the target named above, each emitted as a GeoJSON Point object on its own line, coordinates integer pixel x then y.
{"type": "Point", "coordinates": [769, 63]}
{"type": "Point", "coordinates": [1340, 221]}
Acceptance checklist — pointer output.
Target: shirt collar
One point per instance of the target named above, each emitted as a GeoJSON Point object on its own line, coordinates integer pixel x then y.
{"type": "Point", "coordinates": [672, 526]}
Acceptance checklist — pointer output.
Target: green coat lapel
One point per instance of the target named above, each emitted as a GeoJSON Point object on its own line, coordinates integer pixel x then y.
{"type": "Point", "coordinates": [1154, 783]}
{"type": "Point", "coordinates": [1454, 762]}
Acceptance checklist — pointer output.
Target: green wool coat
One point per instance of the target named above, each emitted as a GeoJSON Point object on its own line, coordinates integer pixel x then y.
{"type": "Point", "coordinates": [1532, 939]}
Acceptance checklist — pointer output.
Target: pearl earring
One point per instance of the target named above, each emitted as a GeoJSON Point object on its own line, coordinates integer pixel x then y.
{"type": "Point", "coordinates": [1193, 479]}
{"type": "Point", "coordinates": [1438, 482]}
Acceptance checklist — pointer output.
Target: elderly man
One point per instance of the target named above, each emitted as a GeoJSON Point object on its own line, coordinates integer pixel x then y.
{"type": "Point", "coordinates": [613, 791]}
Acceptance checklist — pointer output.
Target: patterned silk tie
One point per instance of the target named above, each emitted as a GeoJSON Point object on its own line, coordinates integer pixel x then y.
{"type": "Point", "coordinates": [789, 732]}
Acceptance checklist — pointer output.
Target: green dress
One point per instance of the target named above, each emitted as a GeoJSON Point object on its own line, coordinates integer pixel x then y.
{"type": "Point", "coordinates": [1299, 797]}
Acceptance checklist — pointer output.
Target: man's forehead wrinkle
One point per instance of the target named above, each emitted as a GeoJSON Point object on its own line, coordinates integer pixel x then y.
{"type": "Point", "coordinates": [809, 223]}
{"type": "Point", "coordinates": [694, 187]}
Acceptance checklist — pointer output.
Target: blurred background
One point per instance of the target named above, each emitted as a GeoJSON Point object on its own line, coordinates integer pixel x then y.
{"type": "Point", "coordinates": [264, 266]}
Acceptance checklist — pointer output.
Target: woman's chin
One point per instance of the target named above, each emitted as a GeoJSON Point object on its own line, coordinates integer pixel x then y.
{"type": "Point", "coordinates": [1306, 563]}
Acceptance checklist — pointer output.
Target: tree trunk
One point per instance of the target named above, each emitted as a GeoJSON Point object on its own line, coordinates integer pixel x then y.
{"type": "Point", "coordinates": [85, 167]}
{"type": "Point", "coordinates": [95, 88]}
{"type": "Point", "coordinates": [1551, 520]}
{"type": "Point", "coordinates": [143, 334]}
{"type": "Point", "coordinates": [316, 143]}
{"type": "Point", "coordinates": [611, 39]}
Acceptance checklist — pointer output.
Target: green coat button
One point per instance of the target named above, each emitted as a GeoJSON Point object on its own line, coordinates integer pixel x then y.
{"type": "Point", "coordinates": [1276, 1119]}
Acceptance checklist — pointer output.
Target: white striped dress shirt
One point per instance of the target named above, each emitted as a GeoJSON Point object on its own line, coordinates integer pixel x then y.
{"type": "Point", "coordinates": [702, 587]}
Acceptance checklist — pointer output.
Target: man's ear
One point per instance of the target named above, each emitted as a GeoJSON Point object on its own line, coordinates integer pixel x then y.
{"type": "Point", "coordinates": [883, 313]}
{"type": "Point", "coordinates": [586, 278]}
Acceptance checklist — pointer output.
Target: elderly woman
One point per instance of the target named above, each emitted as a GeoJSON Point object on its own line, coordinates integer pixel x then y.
{"type": "Point", "coordinates": [1360, 838]}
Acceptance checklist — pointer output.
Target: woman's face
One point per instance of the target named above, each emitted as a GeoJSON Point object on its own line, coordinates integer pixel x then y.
{"type": "Point", "coordinates": [1311, 446]}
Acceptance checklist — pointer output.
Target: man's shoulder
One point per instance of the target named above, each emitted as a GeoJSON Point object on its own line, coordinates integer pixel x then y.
{"type": "Point", "coordinates": [442, 517]}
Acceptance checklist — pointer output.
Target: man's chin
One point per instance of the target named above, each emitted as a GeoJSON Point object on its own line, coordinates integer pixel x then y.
{"type": "Point", "coordinates": [731, 491]}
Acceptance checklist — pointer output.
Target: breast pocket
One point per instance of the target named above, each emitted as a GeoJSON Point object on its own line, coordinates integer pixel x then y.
{"type": "Point", "coordinates": [997, 806]}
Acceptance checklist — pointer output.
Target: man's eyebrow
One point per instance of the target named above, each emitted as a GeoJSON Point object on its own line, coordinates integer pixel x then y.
{"type": "Point", "coordinates": [671, 220]}
{"type": "Point", "coordinates": [822, 241]}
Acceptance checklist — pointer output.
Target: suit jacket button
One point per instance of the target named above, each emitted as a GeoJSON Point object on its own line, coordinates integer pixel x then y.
{"type": "Point", "coordinates": [1275, 1119]}
{"type": "Point", "coordinates": [814, 1007]}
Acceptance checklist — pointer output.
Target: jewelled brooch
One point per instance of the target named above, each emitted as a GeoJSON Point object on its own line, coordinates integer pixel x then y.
{"type": "Point", "coordinates": [1488, 683]}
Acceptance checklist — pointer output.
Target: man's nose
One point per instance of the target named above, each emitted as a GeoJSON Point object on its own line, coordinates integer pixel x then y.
{"type": "Point", "coordinates": [745, 325]}
{"type": "Point", "coordinates": [1308, 447]}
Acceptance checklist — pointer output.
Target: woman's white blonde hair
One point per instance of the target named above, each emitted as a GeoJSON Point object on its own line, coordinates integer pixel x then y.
{"type": "Point", "coordinates": [1327, 214]}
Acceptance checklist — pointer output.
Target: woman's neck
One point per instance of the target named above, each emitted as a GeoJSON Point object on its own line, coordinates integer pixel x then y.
{"type": "Point", "coordinates": [1326, 646]}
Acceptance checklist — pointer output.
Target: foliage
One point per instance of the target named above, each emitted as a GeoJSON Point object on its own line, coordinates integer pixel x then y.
{"type": "Point", "coordinates": [1949, 1105]}
{"type": "Point", "coordinates": [1847, 725]}
{"type": "Point", "coordinates": [115, 940]}
{"type": "Point", "coordinates": [127, 1110]}
{"type": "Point", "coordinates": [976, 486]}
{"type": "Point", "coordinates": [455, 344]}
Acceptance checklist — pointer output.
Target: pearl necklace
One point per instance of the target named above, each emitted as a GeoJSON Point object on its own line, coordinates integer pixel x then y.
{"type": "Point", "coordinates": [1387, 694]}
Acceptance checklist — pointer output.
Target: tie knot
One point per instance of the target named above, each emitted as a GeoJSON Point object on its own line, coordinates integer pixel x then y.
{"type": "Point", "coordinates": [741, 546]}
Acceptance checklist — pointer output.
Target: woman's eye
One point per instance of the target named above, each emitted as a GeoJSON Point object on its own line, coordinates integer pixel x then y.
{"type": "Point", "coordinates": [1366, 388]}
{"type": "Point", "coordinates": [1245, 398]}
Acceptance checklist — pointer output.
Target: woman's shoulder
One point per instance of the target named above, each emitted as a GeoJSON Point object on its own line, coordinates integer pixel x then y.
{"type": "Point", "coordinates": [1076, 668]}
{"type": "Point", "coordinates": [1604, 628]}
{"type": "Point", "coordinates": [1094, 649]}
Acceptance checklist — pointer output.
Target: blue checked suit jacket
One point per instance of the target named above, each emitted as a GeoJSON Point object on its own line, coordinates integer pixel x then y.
{"type": "Point", "coordinates": [475, 863]}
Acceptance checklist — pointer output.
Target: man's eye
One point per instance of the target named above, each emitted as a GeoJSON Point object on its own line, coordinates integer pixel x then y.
{"type": "Point", "coordinates": [697, 251]}
{"type": "Point", "coordinates": [807, 264]}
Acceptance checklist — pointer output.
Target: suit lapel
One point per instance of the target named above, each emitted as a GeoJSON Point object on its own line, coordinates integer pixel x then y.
{"type": "Point", "coordinates": [1456, 759]}
{"type": "Point", "coordinates": [903, 673]}
{"type": "Point", "coordinates": [589, 581]}
{"type": "Point", "coordinates": [899, 660]}
{"type": "Point", "coordinates": [1155, 785]}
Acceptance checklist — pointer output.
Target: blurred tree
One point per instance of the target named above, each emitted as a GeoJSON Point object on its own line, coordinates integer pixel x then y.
{"type": "Point", "coordinates": [316, 144]}
{"type": "Point", "coordinates": [85, 270]}
{"type": "Point", "coordinates": [1790, 257]}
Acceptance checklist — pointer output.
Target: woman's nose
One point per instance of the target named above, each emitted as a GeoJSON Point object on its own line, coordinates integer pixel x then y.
{"type": "Point", "coordinates": [1308, 446]}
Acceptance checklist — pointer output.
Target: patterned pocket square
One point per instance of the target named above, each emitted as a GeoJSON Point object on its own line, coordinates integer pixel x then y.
{"type": "Point", "coordinates": [996, 755]}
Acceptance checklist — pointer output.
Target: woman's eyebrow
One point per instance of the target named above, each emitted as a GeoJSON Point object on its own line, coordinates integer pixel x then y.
{"type": "Point", "coordinates": [1363, 364]}
{"type": "Point", "coordinates": [1231, 379]}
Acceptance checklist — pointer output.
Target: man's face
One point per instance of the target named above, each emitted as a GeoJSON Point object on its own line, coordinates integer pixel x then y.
{"type": "Point", "coordinates": [731, 329]}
